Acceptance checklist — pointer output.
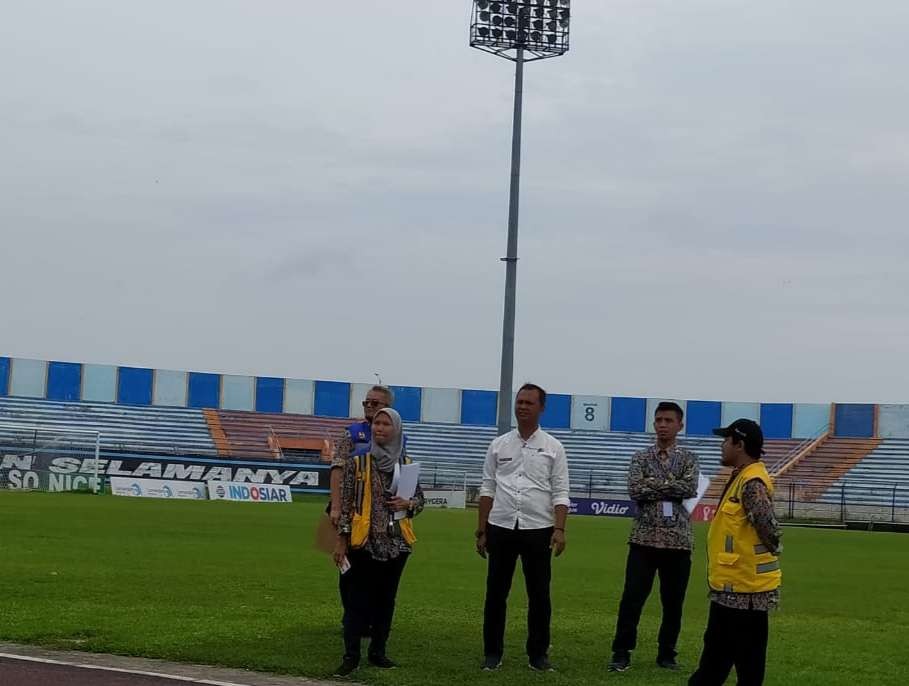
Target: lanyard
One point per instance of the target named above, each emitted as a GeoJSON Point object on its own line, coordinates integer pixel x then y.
{"type": "Point", "coordinates": [396, 475]}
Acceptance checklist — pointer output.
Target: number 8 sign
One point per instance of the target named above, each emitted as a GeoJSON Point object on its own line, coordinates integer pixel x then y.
{"type": "Point", "coordinates": [590, 412]}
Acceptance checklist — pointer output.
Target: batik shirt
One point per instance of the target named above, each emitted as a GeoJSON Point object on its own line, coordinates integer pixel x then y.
{"type": "Point", "coordinates": [657, 477]}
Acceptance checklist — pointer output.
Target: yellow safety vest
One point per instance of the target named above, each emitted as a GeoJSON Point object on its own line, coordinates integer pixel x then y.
{"type": "Point", "coordinates": [359, 530]}
{"type": "Point", "coordinates": [737, 561]}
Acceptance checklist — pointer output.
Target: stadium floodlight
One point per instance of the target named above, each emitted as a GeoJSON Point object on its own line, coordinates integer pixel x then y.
{"type": "Point", "coordinates": [520, 31]}
{"type": "Point", "coordinates": [538, 28]}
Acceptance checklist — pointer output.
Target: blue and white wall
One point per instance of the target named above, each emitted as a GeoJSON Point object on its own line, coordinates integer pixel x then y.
{"type": "Point", "coordinates": [71, 381]}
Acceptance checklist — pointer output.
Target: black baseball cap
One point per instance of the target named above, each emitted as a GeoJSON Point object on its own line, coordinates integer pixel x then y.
{"type": "Point", "coordinates": [748, 431]}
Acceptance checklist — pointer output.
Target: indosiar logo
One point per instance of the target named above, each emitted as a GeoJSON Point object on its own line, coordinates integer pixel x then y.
{"type": "Point", "coordinates": [260, 493]}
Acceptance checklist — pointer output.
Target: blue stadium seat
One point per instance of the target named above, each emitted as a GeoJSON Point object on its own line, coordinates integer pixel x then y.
{"type": "Point", "coordinates": [124, 428]}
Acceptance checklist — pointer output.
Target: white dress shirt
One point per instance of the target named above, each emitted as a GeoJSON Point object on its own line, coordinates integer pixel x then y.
{"type": "Point", "coordinates": [525, 479]}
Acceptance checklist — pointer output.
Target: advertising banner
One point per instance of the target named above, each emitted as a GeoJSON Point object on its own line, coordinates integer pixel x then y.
{"type": "Point", "coordinates": [450, 499]}
{"type": "Point", "coordinates": [598, 507]}
{"type": "Point", "coordinates": [156, 488]}
{"type": "Point", "coordinates": [50, 471]}
{"type": "Point", "coordinates": [703, 513]}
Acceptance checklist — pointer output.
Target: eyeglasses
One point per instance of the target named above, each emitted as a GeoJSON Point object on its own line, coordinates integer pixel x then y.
{"type": "Point", "coordinates": [374, 403]}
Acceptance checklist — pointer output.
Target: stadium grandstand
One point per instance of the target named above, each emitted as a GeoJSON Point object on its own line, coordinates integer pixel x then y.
{"type": "Point", "coordinates": [829, 460]}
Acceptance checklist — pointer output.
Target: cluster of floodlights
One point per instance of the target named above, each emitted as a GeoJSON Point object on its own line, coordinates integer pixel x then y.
{"type": "Point", "coordinates": [538, 26]}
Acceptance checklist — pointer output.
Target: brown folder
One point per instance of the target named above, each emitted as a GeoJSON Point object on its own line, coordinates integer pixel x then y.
{"type": "Point", "coordinates": [326, 535]}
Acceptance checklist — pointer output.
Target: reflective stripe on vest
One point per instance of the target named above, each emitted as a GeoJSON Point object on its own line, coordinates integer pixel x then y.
{"type": "Point", "coordinates": [768, 567]}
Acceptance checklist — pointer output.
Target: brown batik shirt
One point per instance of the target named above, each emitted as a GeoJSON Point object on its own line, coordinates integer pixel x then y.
{"type": "Point", "coordinates": [663, 476]}
{"type": "Point", "coordinates": [343, 450]}
{"type": "Point", "coordinates": [385, 540]}
{"type": "Point", "coordinates": [759, 509]}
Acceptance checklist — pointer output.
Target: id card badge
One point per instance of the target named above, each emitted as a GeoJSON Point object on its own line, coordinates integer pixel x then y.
{"type": "Point", "coordinates": [667, 509]}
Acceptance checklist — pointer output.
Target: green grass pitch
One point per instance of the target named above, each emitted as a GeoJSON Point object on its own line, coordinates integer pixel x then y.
{"type": "Point", "coordinates": [239, 584]}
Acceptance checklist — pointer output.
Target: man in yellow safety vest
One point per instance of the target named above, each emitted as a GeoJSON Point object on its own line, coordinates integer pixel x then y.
{"type": "Point", "coordinates": [743, 565]}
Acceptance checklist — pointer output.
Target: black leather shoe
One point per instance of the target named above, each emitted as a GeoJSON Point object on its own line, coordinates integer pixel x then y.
{"type": "Point", "coordinates": [621, 662]}
{"type": "Point", "coordinates": [492, 662]}
{"type": "Point", "coordinates": [381, 661]}
{"type": "Point", "coordinates": [541, 664]}
{"type": "Point", "coordinates": [347, 667]}
{"type": "Point", "coordinates": [668, 663]}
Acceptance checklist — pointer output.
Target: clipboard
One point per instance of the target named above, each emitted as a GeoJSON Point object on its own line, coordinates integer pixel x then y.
{"type": "Point", "coordinates": [407, 482]}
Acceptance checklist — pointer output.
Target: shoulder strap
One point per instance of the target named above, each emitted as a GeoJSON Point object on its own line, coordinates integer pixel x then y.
{"type": "Point", "coordinates": [358, 463]}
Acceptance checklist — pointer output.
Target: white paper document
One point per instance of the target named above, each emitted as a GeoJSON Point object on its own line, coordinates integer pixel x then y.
{"type": "Point", "coordinates": [407, 484]}
{"type": "Point", "coordinates": [691, 503]}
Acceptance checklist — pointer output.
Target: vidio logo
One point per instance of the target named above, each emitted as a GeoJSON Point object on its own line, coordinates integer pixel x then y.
{"type": "Point", "coordinates": [603, 508]}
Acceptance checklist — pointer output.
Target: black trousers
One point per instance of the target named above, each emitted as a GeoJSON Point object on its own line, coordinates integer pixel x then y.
{"type": "Point", "coordinates": [733, 638]}
{"type": "Point", "coordinates": [372, 587]}
{"type": "Point", "coordinates": [344, 592]}
{"type": "Point", "coordinates": [644, 563]}
{"type": "Point", "coordinates": [343, 579]}
{"type": "Point", "coordinates": [504, 547]}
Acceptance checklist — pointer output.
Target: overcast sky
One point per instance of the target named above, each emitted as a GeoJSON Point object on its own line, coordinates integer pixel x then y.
{"type": "Point", "coordinates": [714, 201]}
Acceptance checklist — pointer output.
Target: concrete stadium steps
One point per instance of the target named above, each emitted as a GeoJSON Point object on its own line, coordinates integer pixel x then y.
{"type": "Point", "coordinates": [245, 435]}
{"type": "Point", "coordinates": [222, 443]}
{"type": "Point", "coordinates": [777, 450]}
{"type": "Point", "coordinates": [818, 471]}
{"type": "Point", "coordinates": [124, 428]}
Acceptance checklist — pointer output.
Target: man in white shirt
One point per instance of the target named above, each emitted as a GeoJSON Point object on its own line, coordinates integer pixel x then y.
{"type": "Point", "coordinates": [523, 507]}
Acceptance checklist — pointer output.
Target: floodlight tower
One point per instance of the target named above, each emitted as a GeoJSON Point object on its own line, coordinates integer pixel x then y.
{"type": "Point", "coordinates": [520, 31]}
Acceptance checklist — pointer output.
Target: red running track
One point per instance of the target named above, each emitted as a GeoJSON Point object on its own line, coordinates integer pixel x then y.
{"type": "Point", "coordinates": [26, 673]}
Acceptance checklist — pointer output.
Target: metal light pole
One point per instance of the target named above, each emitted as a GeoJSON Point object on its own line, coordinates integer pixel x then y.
{"type": "Point", "coordinates": [512, 30]}
{"type": "Point", "coordinates": [506, 375]}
